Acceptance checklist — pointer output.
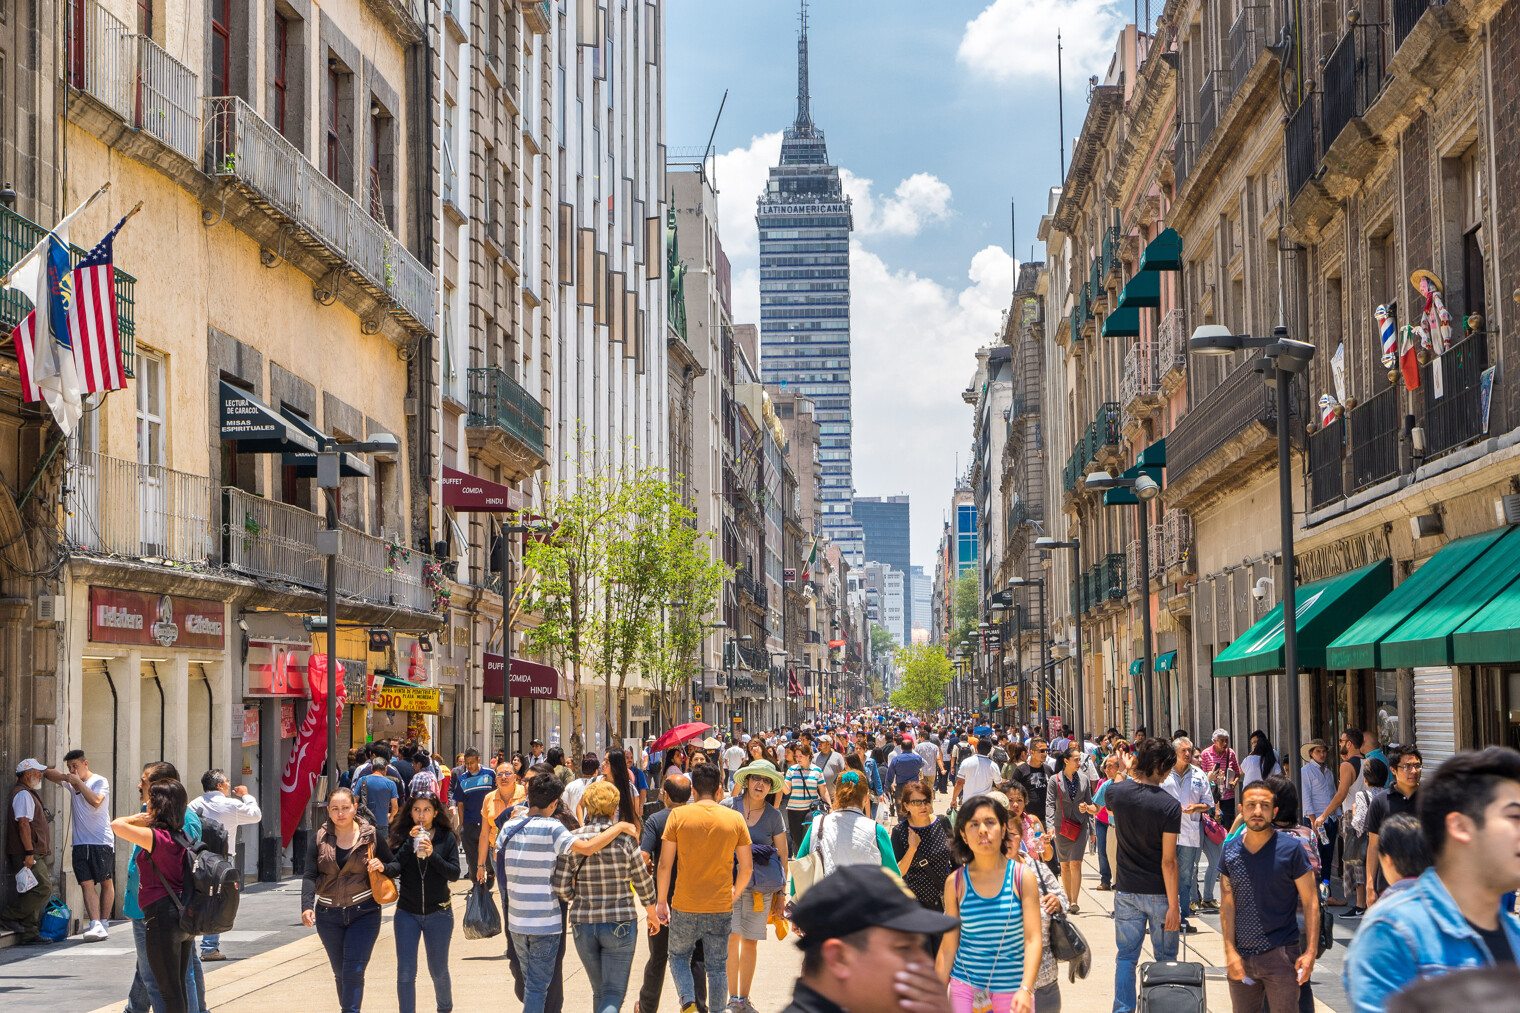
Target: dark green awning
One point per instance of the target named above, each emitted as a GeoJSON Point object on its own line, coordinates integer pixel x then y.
{"type": "Point", "coordinates": [1164, 253]}
{"type": "Point", "coordinates": [1361, 645]}
{"type": "Point", "coordinates": [1136, 665]}
{"type": "Point", "coordinates": [1154, 455]}
{"type": "Point", "coordinates": [1143, 290]}
{"type": "Point", "coordinates": [1167, 662]}
{"type": "Point", "coordinates": [1123, 322]}
{"type": "Point", "coordinates": [1127, 497]}
{"type": "Point", "coordinates": [1325, 609]}
{"type": "Point", "coordinates": [1425, 637]}
{"type": "Point", "coordinates": [1493, 635]}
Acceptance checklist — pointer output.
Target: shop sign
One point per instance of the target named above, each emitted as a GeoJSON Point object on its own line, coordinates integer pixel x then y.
{"type": "Point", "coordinates": [462, 491]}
{"type": "Point", "coordinates": [450, 675]}
{"type": "Point", "coordinates": [413, 699]}
{"type": "Point", "coordinates": [136, 617]}
{"type": "Point", "coordinates": [530, 679]}
{"type": "Point", "coordinates": [355, 677]}
{"type": "Point", "coordinates": [288, 720]}
{"type": "Point", "coordinates": [250, 726]}
{"type": "Point", "coordinates": [638, 711]}
{"type": "Point", "coordinates": [493, 677]}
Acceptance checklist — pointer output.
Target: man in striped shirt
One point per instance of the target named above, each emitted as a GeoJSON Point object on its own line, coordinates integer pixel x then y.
{"type": "Point", "coordinates": [529, 843]}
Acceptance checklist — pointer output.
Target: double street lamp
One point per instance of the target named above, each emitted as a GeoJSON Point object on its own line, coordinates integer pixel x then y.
{"type": "Point", "coordinates": [1282, 357]}
{"type": "Point", "coordinates": [1145, 489]}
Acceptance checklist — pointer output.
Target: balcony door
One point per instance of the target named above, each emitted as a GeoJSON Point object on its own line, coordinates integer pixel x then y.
{"type": "Point", "coordinates": [86, 521]}
{"type": "Point", "coordinates": [152, 499]}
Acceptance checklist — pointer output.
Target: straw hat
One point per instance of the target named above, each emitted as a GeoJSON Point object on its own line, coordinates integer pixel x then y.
{"type": "Point", "coordinates": [1414, 279]}
{"type": "Point", "coordinates": [760, 768]}
{"type": "Point", "coordinates": [1306, 751]}
{"type": "Point", "coordinates": [711, 743]}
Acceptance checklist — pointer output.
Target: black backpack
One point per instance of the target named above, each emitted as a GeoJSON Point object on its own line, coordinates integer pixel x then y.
{"type": "Point", "coordinates": [213, 887]}
{"type": "Point", "coordinates": [214, 836]}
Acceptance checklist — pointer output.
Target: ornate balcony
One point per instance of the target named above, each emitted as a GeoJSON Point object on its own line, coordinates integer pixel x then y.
{"type": "Point", "coordinates": [505, 423]}
{"type": "Point", "coordinates": [1172, 351]}
{"type": "Point", "coordinates": [1228, 433]}
{"type": "Point", "coordinates": [1140, 387]}
{"type": "Point", "coordinates": [138, 511]}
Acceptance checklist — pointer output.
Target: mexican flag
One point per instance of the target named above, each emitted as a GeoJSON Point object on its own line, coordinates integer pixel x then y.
{"type": "Point", "coordinates": [807, 564]}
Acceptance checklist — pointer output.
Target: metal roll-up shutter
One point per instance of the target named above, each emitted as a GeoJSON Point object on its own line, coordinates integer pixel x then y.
{"type": "Point", "coordinates": [1435, 717]}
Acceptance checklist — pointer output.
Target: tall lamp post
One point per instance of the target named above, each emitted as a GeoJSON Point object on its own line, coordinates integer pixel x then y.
{"type": "Point", "coordinates": [1039, 684]}
{"type": "Point", "coordinates": [1045, 543]}
{"type": "Point", "coordinates": [329, 543]}
{"type": "Point", "coordinates": [1145, 489]}
{"type": "Point", "coordinates": [1282, 357]}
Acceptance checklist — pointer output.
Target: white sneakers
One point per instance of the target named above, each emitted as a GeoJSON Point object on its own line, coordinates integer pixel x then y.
{"type": "Point", "coordinates": [96, 932]}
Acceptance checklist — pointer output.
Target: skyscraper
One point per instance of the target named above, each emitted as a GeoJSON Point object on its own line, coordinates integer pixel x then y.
{"type": "Point", "coordinates": [805, 223]}
{"type": "Point", "coordinates": [884, 522]}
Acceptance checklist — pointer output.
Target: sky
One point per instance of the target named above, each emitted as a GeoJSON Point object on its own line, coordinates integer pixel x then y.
{"type": "Point", "coordinates": [943, 118]}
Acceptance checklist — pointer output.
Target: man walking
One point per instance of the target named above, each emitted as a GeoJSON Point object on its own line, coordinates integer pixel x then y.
{"type": "Point", "coordinates": [934, 764]}
{"type": "Point", "coordinates": [1223, 767]}
{"type": "Point", "coordinates": [1146, 822]}
{"type": "Point", "coordinates": [94, 852]}
{"type": "Point", "coordinates": [733, 759]}
{"type": "Point", "coordinates": [715, 842]}
{"type": "Point", "coordinates": [1454, 915]}
{"type": "Point", "coordinates": [977, 773]}
{"type": "Point", "coordinates": [1034, 773]}
{"type": "Point", "coordinates": [469, 790]}
{"type": "Point", "coordinates": [676, 792]}
{"type": "Point", "coordinates": [829, 760]}
{"type": "Point", "coordinates": [232, 808]}
{"type": "Point", "coordinates": [1190, 787]}
{"type": "Point", "coordinates": [1267, 877]}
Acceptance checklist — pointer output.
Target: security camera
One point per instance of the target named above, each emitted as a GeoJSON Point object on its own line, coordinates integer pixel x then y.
{"type": "Point", "coordinates": [1260, 590]}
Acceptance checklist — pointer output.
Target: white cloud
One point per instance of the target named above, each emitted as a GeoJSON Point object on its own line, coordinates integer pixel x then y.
{"type": "Point", "coordinates": [919, 200]}
{"type": "Point", "coordinates": [741, 175]}
{"type": "Point", "coordinates": [1015, 40]}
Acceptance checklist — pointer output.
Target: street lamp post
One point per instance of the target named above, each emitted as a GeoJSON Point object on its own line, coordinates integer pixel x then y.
{"type": "Point", "coordinates": [1145, 489]}
{"type": "Point", "coordinates": [1042, 708]}
{"type": "Point", "coordinates": [1282, 357]}
{"type": "Point", "coordinates": [1047, 544]}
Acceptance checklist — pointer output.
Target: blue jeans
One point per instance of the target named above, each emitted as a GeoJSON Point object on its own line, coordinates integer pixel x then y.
{"type": "Point", "coordinates": [434, 929]}
{"type": "Point", "coordinates": [143, 995]}
{"type": "Point", "coordinates": [211, 943]}
{"type": "Point", "coordinates": [1211, 878]}
{"type": "Point", "coordinates": [1187, 877]}
{"type": "Point", "coordinates": [1105, 874]}
{"type": "Point", "coordinates": [1134, 913]}
{"type": "Point", "coordinates": [606, 948]}
{"type": "Point", "coordinates": [686, 929]}
{"type": "Point", "coordinates": [348, 934]}
{"type": "Point", "coordinates": [537, 955]}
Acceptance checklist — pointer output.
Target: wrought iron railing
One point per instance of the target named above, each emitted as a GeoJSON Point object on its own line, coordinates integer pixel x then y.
{"type": "Point", "coordinates": [1326, 449]}
{"type": "Point", "coordinates": [1208, 106]}
{"type": "Point", "coordinates": [1352, 78]}
{"type": "Point", "coordinates": [1171, 356]}
{"type": "Point", "coordinates": [1177, 541]}
{"type": "Point", "coordinates": [277, 541]}
{"type": "Point", "coordinates": [1242, 399]}
{"type": "Point", "coordinates": [1374, 438]}
{"type": "Point", "coordinates": [241, 145]}
{"type": "Point", "coordinates": [133, 76]}
{"type": "Point", "coordinates": [1141, 382]}
{"type": "Point", "coordinates": [1248, 35]}
{"type": "Point", "coordinates": [167, 99]}
{"type": "Point", "coordinates": [17, 237]}
{"type": "Point", "coordinates": [1109, 576]}
{"type": "Point", "coordinates": [144, 511]}
{"type": "Point", "coordinates": [498, 400]}
{"type": "Point", "coordinates": [1456, 417]}
{"type": "Point", "coordinates": [100, 56]}
{"type": "Point", "coordinates": [1110, 250]}
{"type": "Point", "coordinates": [1407, 14]}
{"type": "Point", "coordinates": [1302, 146]}
{"type": "Point", "coordinates": [1106, 426]}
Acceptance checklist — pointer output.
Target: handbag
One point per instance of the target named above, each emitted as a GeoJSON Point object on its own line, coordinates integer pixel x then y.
{"type": "Point", "coordinates": [381, 886]}
{"type": "Point", "coordinates": [1213, 829]}
{"type": "Point", "coordinates": [1070, 829]}
{"type": "Point", "coordinates": [808, 869]}
{"type": "Point", "coordinates": [1067, 943]}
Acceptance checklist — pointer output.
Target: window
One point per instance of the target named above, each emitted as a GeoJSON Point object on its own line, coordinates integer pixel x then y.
{"type": "Point", "coordinates": [145, 19]}
{"type": "Point", "coordinates": [221, 46]}
{"type": "Point", "coordinates": [334, 88]}
{"type": "Point", "coordinates": [382, 160]}
{"type": "Point", "coordinates": [1473, 299]}
{"type": "Point", "coordinates": [150, 408]}
{"type": "Point", "coordinates": [450, 171]}
{"type": "Point", "coordinates": [281, 69]}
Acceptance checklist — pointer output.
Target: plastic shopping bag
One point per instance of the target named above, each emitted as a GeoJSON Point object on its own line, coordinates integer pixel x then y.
{"type": "Point", "coordinates": [481, 919]}
{"type": "Point", "coordinates": [26, 880]}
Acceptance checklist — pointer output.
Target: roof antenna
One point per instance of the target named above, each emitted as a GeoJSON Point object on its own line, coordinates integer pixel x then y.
{"type": "Point", "coordinates": [1060, 106]}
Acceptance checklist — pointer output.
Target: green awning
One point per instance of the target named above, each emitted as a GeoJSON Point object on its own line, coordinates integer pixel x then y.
{"type": "Point", "coordinates": [1425, 637]}
{"type": "Point", "coordinates": [1143, 290]}
{"type": "Point", "coordinates": [1167, 662]}
{"type": "Point", "coordinates": [1164, 253]}
{"type": "Point", "coordinates": [1123, 322]}
{"type": "Point", "coordinates": [1361, 645]}
{"type": "Point", "coordinates": [1154, 455]}
{"type": "Point", "coordinates": [1127, 497]}
{"type": "Point", "coordinates": [1493, 635]}
{"type": "Point", "coordinates": [1136, 665]}
{"type": "Point", "coordinates": [1325, 609]}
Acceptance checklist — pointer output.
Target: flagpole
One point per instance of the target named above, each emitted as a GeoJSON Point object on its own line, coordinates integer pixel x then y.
{"type": "Point", "coordinates": [36, 251]}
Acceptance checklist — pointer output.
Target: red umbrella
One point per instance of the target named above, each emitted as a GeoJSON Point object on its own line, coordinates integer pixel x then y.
{"type": "Point", "coordinates": [679, 734]}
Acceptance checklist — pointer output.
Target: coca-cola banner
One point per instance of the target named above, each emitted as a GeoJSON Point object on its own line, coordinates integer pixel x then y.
{"type": "Point", "coordinates": [308, 755]}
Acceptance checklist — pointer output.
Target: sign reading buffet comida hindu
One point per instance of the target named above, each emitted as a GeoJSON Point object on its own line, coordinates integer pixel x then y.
{"type": "Point", "coordinates": [165, 620]}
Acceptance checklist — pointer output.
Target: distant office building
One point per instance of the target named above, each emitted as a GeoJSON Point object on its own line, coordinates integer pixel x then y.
{"type": "Point", "coordinates": [887, 599]}
{"type": "Point", "coordinates": [921, 593]}
{"type": "Point", "coordinates": [884, 519]}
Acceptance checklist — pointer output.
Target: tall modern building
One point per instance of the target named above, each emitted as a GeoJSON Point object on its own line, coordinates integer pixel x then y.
{"type": "Point", "coordinates": [884, 522]}
{"type": "Point", "coordinates": [921, 616]}
{"type": "Point", "coordinates": [805, 223]}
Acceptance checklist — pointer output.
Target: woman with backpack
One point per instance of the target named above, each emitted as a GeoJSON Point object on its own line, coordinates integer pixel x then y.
{"type": "Point", "coordinates": [159, 832]}
{"type": "Point", "coordinates": [992, 960]}
{"type": "Point", "coordinates": [336, 897]}
{"type": "Point", "coordinates": [760, 781]}
{"type": "Point", "coordinates": [846, 835]}
{"type": "Point", "coordinates": [428, 853]}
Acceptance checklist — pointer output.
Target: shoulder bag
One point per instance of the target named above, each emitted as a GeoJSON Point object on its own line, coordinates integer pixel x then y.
{"type": "Point", "coordinates": [1070, 829]}
{"type": "Point", "coordinates": [381, 886]}
{"type": "Point", "coordinates": [808, 869]}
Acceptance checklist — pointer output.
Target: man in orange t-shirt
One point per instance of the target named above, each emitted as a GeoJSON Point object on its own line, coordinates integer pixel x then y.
{"type": "Point", "coordinates": [711, 840]}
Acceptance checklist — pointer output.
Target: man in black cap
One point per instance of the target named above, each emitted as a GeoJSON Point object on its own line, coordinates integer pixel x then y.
{"type": "Point", "coordinates": [863, 947]}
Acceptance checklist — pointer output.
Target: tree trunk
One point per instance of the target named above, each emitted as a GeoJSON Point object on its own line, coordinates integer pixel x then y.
{"type": "Point", "coordinates": [576, 746]}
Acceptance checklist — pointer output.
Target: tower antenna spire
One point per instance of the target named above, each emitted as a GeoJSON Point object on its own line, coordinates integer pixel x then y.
{"type": "Point", "coordinates": [804, 124]}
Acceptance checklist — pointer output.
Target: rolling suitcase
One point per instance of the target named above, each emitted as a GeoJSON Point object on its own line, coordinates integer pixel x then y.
{"type": "Point", "coordinates": [1171, 986]}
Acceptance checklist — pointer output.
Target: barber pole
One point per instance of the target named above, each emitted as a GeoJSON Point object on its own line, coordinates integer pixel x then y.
{"type": "Point", "coordinates": [1388, 331]}
{"type": "Point", "coordinates": [1329, 408]}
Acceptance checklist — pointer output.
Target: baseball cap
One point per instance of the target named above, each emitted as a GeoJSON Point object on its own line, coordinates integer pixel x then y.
{"type": "Point", "coordinates": [744, 738]}
{"type": "Point", "coordinates": [28, 764]}
{"type": "Point", "coordinates": [859, 897]}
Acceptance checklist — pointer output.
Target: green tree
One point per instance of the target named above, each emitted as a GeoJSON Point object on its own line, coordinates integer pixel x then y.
{"type": "Point", "coordinates": [925, 676]}
{"type": "Point", "coordinates": [692, 582]}
{"type": "Point", "coordinates": [882, 643]}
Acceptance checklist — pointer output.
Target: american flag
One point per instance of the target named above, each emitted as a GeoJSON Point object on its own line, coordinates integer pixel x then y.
{"type": "Point", "coordinates": [92, 327]}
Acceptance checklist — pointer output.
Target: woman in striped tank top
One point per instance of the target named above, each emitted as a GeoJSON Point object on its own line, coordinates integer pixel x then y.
{"type": "Point", "coordinates": [990, 961]}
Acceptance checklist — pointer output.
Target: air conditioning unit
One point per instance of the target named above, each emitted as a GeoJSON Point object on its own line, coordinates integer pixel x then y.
{"type": "Point", "coordinates": [50, 608]}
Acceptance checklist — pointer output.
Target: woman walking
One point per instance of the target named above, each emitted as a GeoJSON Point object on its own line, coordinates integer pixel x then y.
{"type": "Point", "coordinates": [803, 790]}
{"type": "Point", "coordinates": [1068, 811]}
{"type": "Point", "coordinates": [921, 844]}
{"type": "Point", "coordinates": [600, 890]}
{"type": "Point", "coordinates": [1261, 763]}
{"type": "Point", "coordinates": [336, 896]}
{"type": "Point", "coordinates": [761, 782]}
{"type": "Point", "coordinates": [159, 831]}
{"type": "Point", "coordinates": [428, 854]}
{"type": "Point", "coordinates": [1053, 900]}
{"type": "Point", "coordinates": [847, 836]}
{"type": "Point", "coordinates": [992, 959]}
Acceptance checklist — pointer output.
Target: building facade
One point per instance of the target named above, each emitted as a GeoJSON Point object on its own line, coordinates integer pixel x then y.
{"type": "Point", "coordinates": [884, 522]}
